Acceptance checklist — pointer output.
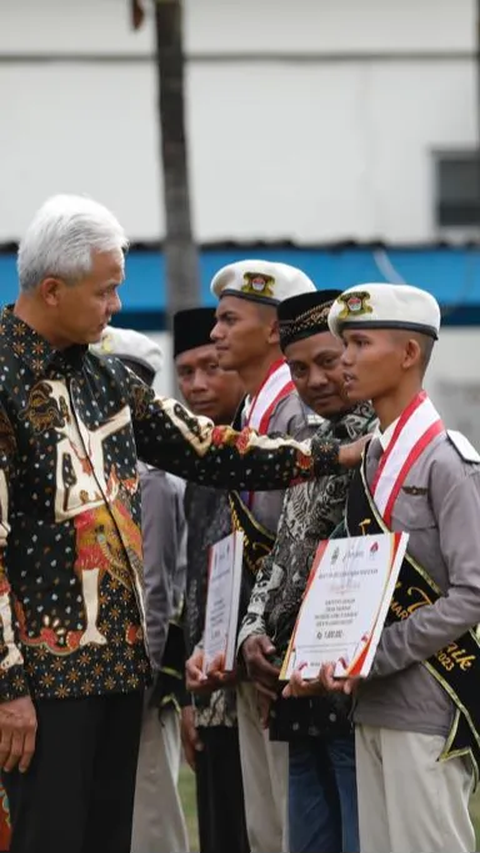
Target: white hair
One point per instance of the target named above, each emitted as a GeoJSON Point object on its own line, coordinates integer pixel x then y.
{"type": "Point", "coordinates": [63, 236]}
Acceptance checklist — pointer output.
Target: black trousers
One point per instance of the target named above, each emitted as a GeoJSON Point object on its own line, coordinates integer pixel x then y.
{"type": "Point", "coordinates": [220, 803]}
{"type": "Point", "coordinates": [77, 796]}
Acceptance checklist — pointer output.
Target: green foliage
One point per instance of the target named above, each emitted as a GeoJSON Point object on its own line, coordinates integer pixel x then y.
{"type": "Point", "coordinates": [188, 797]}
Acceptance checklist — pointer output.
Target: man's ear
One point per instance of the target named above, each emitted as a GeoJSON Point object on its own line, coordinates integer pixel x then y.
{"type": "Point", "coordinates": [50, 291]}
{"type": "Point", "coordinates": [412, 354]}
{"type": "Point", "coordinates": [274, 332]}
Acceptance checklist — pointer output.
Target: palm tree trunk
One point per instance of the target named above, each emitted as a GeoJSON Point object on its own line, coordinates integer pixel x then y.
{"type": "Point", "coordinates": [180, 251]}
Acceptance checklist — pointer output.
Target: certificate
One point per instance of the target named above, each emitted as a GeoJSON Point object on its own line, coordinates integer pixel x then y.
{"type": "Point", "coordinates": [345, 605]}
{"type": "Point", "coordinates": [223, 598]}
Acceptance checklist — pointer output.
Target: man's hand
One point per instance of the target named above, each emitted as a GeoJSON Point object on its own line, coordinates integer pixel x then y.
{"type": "Point", "coordinates": [255, 651]}
{"type": "Point", "coordinates": [216, 677]}
{"type": "Point", "coordinates": [350, 455]}
{"type": "Point", "coordinates": [297, 688]}
{"type": "Point", "coordinates": [195, 677]}
{"type": "Point", "coordinates": [336, 685]}
{"type": "Point", "coordinates": [18, 728]}
{"type": "Point", "coordinates": [324, 681]}
{"type": "Point", "coordinates": [191, 740]}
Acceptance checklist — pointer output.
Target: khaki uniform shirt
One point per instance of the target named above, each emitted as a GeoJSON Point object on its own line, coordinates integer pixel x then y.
{"type": "Point", "coordinates": [439, 505]}
{"type": "Point", "coordinates": [289, 417]}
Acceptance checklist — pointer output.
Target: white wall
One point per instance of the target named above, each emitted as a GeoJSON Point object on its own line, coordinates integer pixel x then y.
{"type": "Point", "coordinates": [266, 26]}
{"type": "Point", "coordinates": [329, 25]}
{"type": "Point", "coordinates": [454, 381]}
{"type": "Point", "coordinates": [311, 150]}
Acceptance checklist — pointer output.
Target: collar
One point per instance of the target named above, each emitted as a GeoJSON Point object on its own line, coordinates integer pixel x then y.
{"type": "Point", "coordinates": [34, 349]}
{"type": "Point", "coordinates": [386, 437]}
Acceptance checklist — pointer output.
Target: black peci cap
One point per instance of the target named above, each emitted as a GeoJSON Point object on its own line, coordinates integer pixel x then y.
{"type": "Point", "coordinates": [192, 328]}
{"type": "Point", "coordinates": [305, 315]}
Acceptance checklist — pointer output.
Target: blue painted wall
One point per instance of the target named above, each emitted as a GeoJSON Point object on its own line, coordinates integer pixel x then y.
{"type": "Point", "coordinates": [451, 274]}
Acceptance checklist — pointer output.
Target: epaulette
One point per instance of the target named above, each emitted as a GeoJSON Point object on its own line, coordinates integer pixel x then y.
{"type": "Point", "coordinates": [463, 447]}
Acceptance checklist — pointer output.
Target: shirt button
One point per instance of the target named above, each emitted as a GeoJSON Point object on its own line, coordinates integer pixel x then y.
{"type": "Point", "coordinates": [332, 717]}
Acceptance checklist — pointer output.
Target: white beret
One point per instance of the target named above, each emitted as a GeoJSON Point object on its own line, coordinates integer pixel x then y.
{"type": "Point", "coordinates": [263, 281]}
{"type": "Point", "coordinates": [385, 306]}
{"type": "Point", "coordinates": [132, 345]}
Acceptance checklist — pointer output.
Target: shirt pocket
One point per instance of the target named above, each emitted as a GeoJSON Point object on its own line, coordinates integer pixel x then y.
{"type": "Point", "coordinates": [413, 512]}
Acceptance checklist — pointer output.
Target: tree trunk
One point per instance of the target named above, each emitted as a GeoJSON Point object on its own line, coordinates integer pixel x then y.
{"type": "Point", "coordinates": [180, 251]}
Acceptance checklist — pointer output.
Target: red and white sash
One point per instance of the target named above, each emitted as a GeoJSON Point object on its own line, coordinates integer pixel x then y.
{"type": "Point", "coordinates": [276, 385]}
{"type": "Point", "coordinates": [417, 426]}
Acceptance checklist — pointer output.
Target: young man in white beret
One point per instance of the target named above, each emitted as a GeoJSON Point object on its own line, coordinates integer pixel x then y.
{"type": "Point", "coordinates": [246, 336]}
{"type": "Point", "coordinates": [418, 714]}
{"type": "Point", "coordinates": [158, 818]}
{"type": "Point", "coordinates": [322, 779]}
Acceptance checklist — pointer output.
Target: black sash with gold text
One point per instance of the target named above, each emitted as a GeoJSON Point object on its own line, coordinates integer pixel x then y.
{"type": "Point", "coordinates": [257, 540]}
{"type": "Point", "coordinates": [457, 667]}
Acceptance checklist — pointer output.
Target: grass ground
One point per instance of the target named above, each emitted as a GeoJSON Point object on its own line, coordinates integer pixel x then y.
{"type": "Point", "coordinates": [187, 793]}
{"type": "Point", "coordinates": [188, 797]}
{"type": "Point", "coordinates": [475, 810]}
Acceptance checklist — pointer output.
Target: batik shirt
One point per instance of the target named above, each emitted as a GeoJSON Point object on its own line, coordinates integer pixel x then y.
{"type": "Point", "coordinates": [71, 425]}
{"type": "Point", "coordinates": [311, 512]}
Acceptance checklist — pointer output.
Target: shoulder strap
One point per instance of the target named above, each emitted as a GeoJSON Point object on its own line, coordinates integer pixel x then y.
{"type": "Point", "coordinates": [463, 446]}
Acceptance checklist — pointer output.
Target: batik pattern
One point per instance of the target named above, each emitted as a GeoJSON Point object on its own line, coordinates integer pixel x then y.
{"type": "Point", "coordinates": [71, 424]}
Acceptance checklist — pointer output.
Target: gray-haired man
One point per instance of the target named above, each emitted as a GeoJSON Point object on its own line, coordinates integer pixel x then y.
{"type": "Point", "coordinates": [72, 656]}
